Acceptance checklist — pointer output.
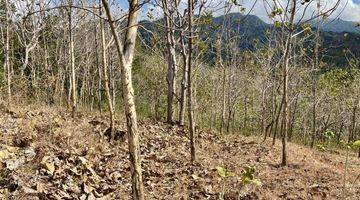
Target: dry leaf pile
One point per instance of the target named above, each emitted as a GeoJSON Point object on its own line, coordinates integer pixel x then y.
{"type": "Point", "coordinates": [45, 154]}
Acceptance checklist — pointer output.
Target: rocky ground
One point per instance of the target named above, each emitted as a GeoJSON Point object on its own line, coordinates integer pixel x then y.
{"type": "Point", "coordinates": [45, 154]}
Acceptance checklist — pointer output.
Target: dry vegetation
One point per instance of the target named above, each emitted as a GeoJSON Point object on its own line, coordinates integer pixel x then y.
{"type": "Point", "coordinates": [47, 155]}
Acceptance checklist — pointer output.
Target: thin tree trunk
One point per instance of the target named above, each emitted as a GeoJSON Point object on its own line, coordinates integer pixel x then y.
{"type": "Point", "coordinates": [285, 98]}
{"type": "Point", "coordinates": [263, 112]}
{"type": "Point", "coordinates": [213, 105]}
{"type": "Point", "coordinates": [125, 54]}
{"type": "Point", "coordinates": [106, 79]}
{"type": "Point", "coordinates": [222, 124]}
{"type": "Point", "coordinates": [189, 89]}
{"type": "Point", "coordinates": [171, 58]}
{"type": "Point", "coordinates": [292, 120]}
{"type": "Point", "coordinates": [112, 80]}
{"type": "Point", "coordinates": [183, 81]}
{"type": "Point", "coordinates": [287, 51]}
{"type": "Point", "coordinates": [229, 102]}
{"type": "Point", "coordinates": [340, 132]}
{"type": "Point", "coordinates": [277, 121]}
{"type": "Point", "coordinates": [99, 84]}
{"type": "Point", "coordinates": [353, 122]}
{"type": "Point", "coordinates": [315, 67]}
{"type": "Point", "coordinates": [7, 52]}
{"type": "Point", "coordinates": [72, 64]}
{"type": "Point", "coordinates": [313, 136]}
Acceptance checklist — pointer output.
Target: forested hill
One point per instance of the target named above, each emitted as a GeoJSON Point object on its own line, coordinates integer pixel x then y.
{"type": "Point", "coordinates": [339, 26]}
{"type": "Point", "coordinates": [337, 36]}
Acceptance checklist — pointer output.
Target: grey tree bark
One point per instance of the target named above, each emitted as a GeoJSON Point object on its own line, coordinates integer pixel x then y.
{"type": "Point", "coordinates": [105, 74]}
{"type": "Point", "coordinates": [169, 11]}
{"type": "Point", "coordinates": [287, 51]}
{"type": "Point", "coordinates": [72, 63]}
{"type": "Point", "coordinates": [184, 77]}
{"type": "Point", "coordinates": [189, 89]}
{"type": "Point", "coordinates": [126, 53]}
{"type": "Point", "coordinates": [7, 67]}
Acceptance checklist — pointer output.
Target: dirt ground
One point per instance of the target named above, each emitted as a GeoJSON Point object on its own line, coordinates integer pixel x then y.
{"type": "Point", "coordinates": [45, 154]}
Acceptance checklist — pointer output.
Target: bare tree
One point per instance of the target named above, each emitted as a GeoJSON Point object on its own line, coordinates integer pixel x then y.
{"type": "Point", "coordinates": [184, 81]}
{"type": "Point", "coordinates": [105, 74]}
{"type": "Point", "coordinates": [7, 67]}
{"type": "Point", "coordinates": [72, 61]}
{"type": "Point", "coordinates": [169, 8]}
{"type": "Point", "coordinates": [126, 53]}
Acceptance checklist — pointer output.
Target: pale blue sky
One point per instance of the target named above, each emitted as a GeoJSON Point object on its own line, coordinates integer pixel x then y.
{"type": "Point", "coordinates": [348, 9]}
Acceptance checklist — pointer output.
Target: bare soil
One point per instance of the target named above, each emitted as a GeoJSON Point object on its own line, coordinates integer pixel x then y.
{"type": "Point", "coordinates": [45, 154]}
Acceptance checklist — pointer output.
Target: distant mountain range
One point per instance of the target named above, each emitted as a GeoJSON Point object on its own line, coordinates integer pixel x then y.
{"type": "Point", "coordinates": [337, 35]}
{"type": "Point", "coordinates": [339, 26]}
{"type": "Point", "coordinates": [329, 25]}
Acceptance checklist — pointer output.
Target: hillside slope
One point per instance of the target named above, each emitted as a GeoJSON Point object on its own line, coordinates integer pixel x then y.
{"type": "Point", "coordinates": [47, 155]}
{"type": "Point", "coordinates": [337, 36]}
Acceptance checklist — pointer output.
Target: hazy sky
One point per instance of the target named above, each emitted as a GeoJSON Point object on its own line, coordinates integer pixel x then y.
{"type": "Point", "coordinates": [348, 10]}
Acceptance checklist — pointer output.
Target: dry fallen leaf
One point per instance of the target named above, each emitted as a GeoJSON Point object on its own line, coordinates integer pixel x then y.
{"type": "Point", "coordinates": [48, 164]}
{"type": "Point", "coordinates": [13, 164]}
{"type": "Point", "coordinates": [4, 154]}
{"type": "Point", "coordinates": [87, 188]}
{"type": "Point", "coordinates": [40, 187]}
{"type": "Point", "coordinates": [91, 197]}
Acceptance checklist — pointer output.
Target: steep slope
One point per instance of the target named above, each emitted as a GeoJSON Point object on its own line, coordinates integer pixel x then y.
{"type": "Point", "coordinates": [46, 155]}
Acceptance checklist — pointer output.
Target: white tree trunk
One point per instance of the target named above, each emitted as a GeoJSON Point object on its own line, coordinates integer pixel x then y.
{"type": "Point", "coordinates": [7, 51]}
{"type": "Point", "coordinates": [126, 53]}
{"type": "Point", "coordinates": [72, 65]}
{"type": "Point", "coordinates": [105, 73]}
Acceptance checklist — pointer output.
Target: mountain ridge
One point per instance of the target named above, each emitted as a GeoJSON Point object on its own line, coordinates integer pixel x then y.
{"type": "Point", "coordinates": [338, 36]}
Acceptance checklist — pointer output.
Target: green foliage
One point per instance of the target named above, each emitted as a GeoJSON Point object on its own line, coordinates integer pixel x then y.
{"type": "Point", "coordinates": [356, 144]}
{"type": "Point", "coordinates": [354, 63]}
{"type": "Point", "coordinates": [275, 12]}
{"type": "Point", "coordinates": [278, 24]}
{"type": "Point", "coordinates": [307, 28]}
{"type": "Point", "coordinates": [206, 19]}
{"type": "Point", "coordinates": [248, 174]}
{"type": "Point", "coordinates": [2, 81]}
{"type": "Point", "coordinates": [235, 2]}
{"type": "Point", "coordinates": [351, 145]}
{"type": "Point", "coordinates": [224, 172]}
{"type": "Point", "coordinates": [144, 110]}
{"type": "Point", "coordinates": [2, 60]}
{"type": "Point", "coordinates": [321, 147]}
{"type": "Point", "coordinates": [329, 134]}
{"type": "Point", "coordinates": [336, 81]}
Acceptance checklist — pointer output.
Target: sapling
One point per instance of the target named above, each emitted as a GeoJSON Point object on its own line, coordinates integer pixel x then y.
{"type": "Point", "coordinates": [224, 173]}
{"type": "Point", "coordinates": [247, 177]}
{"type": "Point", "coordinates": [328, 135]}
